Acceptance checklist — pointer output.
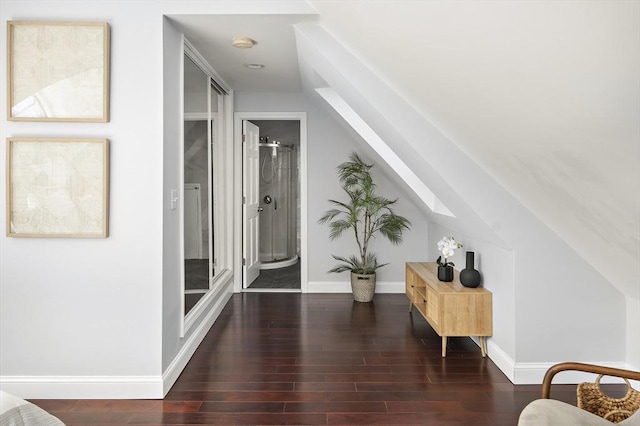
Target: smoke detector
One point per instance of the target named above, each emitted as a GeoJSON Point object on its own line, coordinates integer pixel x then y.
{"type": "Point", "coordinates": [243, 42]}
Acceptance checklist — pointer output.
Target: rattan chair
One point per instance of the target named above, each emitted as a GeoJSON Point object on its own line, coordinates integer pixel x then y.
{"type": "Point", "coordinates": [595, 408]}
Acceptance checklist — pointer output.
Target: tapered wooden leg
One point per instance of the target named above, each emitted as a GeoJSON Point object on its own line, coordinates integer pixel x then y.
{"type": "Point", "coordinates": [410, 305]}
{"type": "Point", "coordinates": [444, 346]}
{"type": "Point", "coordinates": [483, 346]}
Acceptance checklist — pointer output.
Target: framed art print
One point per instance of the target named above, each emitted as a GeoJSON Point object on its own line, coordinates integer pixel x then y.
{"type": "Point", "coordinates": [57, 187]}
{"type": "Point", "coordinates": [58, 71]}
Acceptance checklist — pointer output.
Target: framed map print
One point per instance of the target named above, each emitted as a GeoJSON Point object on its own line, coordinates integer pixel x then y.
{"type": "Point", "coordinates": [57, 187]}
{"type": "Point", "coordinates": [58, 71]}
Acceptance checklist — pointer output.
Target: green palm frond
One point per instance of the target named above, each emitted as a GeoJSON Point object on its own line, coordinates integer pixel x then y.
{"type": "Point", "coordinates": [356, 265]}
{"type": "Point", "coordinates": [365, 213]}
{"type": "Point", "coordinates": [391, 226]}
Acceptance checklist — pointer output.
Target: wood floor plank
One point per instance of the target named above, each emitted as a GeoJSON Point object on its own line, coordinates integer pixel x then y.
{"type": "Point", "coordinates": [94, 417]}
{"type": "Point", "coordinates": [334, 369]}
{"type": "Point", "coordinates": [431, 419]}
{"type": "Point", "coordinates": [228, 419]}
{"type": "Point", "coordinates": [228, 386]}
{"type": "Point", "coordinates": [336, 407]}
{"type": "Point", "coordinates": [92, 406]}
{"type": "Point", "coordinates": [392, 361]}
{"type": "Point", "coordinates": [325, 387]}
{"type": "Point", "coordinates": [54, 405]}
{"type": "Point", "coordinates": [242, 407]}
{"type": "Point", "coordinates": [424, 406]}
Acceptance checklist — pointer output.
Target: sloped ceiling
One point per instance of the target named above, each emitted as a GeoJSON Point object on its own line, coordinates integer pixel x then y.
{"type": "Point", "coordinates": [545, 96]}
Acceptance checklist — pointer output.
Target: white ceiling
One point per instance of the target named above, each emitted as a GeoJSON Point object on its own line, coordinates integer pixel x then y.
{"type": "Point", "coordinates": [212, 36]}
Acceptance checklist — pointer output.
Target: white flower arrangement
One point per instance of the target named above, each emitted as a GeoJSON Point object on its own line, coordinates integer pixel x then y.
{"type": "Point", "coordinates": [447, 246]}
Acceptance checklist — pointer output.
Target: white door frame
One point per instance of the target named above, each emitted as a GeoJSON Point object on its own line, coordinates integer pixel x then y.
{"type": "Point", "coordinates": [237, 137]}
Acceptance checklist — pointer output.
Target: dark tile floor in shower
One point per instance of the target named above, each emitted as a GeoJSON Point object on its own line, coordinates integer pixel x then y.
{"type": "Point", "coordinates": [288, 277]}
{"type": "Point", "coordinates": [196, 273]}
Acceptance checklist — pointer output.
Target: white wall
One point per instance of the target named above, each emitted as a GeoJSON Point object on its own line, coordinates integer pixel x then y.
{"type": "Point", "coordinates": [82, 317]}
{"type": "Point", "coordinates": [328, 145]}
{"type": "Point", "coordinates": [181, 338]}
{"type": "Point", "coordinates": [171, 300]}
{"type": "Point", "coordinates": [633, 331]}
{"type": "Point", "coordinates": [87, 318]}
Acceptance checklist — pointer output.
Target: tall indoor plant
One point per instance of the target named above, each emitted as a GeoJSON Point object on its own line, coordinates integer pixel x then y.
{"type": "Point", "coordinates": [366, 214]}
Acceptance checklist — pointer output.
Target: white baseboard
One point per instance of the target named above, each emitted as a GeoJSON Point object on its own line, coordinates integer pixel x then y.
{"type": "Point", "coordinates": [503, 361]}
{"type": "Point", "coordinates": [195, 338]}
{"type": "Point", "coordinates": [532, 373]}
{"type": "Point", "coordinates": [345, 287]}
{"type": "Point", "coordinates": [84, 387]}
{"type": "Point", "coordinates": [527, 373]}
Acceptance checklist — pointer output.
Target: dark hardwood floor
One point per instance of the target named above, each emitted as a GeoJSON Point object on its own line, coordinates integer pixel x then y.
{"type": "Point", "coordinates": [287, 358]}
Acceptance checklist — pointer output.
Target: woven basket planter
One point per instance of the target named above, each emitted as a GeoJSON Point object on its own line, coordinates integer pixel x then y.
{"type": "Point", "coordinates": [591, 398]}
{"type": "Point", "coordinates": [363, 287]}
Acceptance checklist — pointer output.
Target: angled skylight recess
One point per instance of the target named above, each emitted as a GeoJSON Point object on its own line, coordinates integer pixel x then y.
{"type": "Point", "coordinates": [383, 150]}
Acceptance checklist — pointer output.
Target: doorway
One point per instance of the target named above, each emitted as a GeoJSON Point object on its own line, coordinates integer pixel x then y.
{"type": "Point", "coordinates": [279, 175]}
{"type": "Point", "coordinates": [278, 183]}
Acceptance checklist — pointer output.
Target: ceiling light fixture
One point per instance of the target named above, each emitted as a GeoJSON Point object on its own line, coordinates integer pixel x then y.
{"type": "Point", "coordinates": [243, 42]}
{"type": "Point", "coordinates": [254, 66]}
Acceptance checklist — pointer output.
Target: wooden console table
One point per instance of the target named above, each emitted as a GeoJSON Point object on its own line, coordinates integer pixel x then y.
{"type": "Point", "coordinates": [450, 308]}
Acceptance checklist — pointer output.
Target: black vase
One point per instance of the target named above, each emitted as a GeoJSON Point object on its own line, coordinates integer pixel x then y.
{"type": "Point", "coordinates": [445, 273]}
{"type": "Point", "coordinates": [470, 277]}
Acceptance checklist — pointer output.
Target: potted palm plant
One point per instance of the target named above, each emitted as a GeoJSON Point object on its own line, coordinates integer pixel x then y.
{"type": "Point", "coordinates": [366, 214]}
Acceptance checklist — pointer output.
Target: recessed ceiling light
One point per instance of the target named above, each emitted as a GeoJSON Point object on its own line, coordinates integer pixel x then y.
{"type": "Point", "coordinates": [243, 42]}
{"type": "Point", "coordinates": [254, 66]}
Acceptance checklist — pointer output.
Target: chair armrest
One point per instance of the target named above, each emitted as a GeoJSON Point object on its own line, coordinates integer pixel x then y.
{"type": "Point", "coordinates": [588, 368]}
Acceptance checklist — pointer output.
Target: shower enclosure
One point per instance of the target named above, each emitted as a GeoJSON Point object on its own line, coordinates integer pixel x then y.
{"type": "Point", "coordinates": [278, 178]}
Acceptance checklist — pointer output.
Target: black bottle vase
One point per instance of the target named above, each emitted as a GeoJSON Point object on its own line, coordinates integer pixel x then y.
{"type": "Point", "coordinates": [470, 277]}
